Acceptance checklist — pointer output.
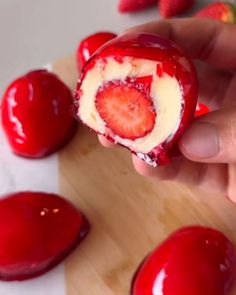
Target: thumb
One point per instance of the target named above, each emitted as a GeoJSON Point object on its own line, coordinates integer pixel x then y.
{"type": "Point", "coordinates": [211, 138]}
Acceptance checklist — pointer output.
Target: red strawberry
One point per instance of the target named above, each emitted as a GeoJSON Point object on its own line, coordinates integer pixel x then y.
{"type": "Point", "coordinates": [222, 11]}
{"type": "Point", "coordinates": [127, 112]}
{"type": "Point", "coordinates": [38, 231]}
{"type": "Point", "coordinates": [192, 261]}
{"type": "Point", "coordinates": [170, 8]}
{"type": "Point", "coordinates": [201, 110]}
{"type": "Point", "coordinates": [134, 5]}
{"type": "Point", "coordinates": [36, 114]}
{"type": "Point", "coordinates": [89, 45]}
{"type": "Point", "coordinates": [140, 91]}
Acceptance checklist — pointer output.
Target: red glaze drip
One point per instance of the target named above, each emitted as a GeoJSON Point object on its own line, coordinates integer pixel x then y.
{"type": "Point", "coordinates": [38, 231]}
{"type": "Point", "coordinates": [192, 261]}
{"type": "Point", "coordinates": [89, 45]}
{"type": "Point", "coordinates": [201, 110]}
{"type": "Point", "coordinates": [37, 114]}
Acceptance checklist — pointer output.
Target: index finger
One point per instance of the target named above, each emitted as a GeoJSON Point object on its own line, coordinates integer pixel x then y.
{"type": "Point", "coordinates": [204, 39]}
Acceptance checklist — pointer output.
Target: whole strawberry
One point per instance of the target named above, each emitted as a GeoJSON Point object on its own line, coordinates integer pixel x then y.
{"type": "Point", "coordinates": [169, 8]}
{"type": "Point", "coordinates": [221, 11]}
{"type": "Point", "coordinates": [133, 5]}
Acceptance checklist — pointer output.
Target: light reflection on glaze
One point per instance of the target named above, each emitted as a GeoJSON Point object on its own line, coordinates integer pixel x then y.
{"type": "Point", "coordinates": [17, 124]}
{"type": "Point", "coordinates": [159, 282]}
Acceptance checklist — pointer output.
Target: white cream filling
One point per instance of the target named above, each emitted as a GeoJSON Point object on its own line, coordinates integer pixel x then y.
{"type": "Point", "coordinates": [165, 92]}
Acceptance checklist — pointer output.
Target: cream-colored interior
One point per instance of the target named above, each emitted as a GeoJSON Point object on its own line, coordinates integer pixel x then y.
{"type": "Point", "coordinates": [165, 92]}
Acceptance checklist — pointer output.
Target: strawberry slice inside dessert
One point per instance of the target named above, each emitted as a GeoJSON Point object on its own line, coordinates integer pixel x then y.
{"type": "Point", "coordinates": [127, 112]}
{"type": "Point", "coordinates": [140, 91]}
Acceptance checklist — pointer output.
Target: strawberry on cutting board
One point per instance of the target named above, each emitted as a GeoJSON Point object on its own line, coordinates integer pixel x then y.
{"type": "Point", "coordinates": [169, 8]}
{"type": "Point", "coordinates": [129, 114]}
{"type": "Point", "coordinates": [222, 11]}
{"type": "Point", "coordinates": [133, 5]}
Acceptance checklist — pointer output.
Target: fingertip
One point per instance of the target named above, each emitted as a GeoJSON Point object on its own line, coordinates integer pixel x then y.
{"type": "Point", "coordinates": [167, 172]}
{"type": "Point", "coordinates": [105, 142]}
{"type": "Point", "coordinates": [200, 142]}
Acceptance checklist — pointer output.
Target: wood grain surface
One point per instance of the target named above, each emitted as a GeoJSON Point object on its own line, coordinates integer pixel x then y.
{"type": "Point", "coordinates": [129, 214]}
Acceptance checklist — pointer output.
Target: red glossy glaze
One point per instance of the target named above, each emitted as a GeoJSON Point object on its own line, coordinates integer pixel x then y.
{"type": "Point", "coordinates": [36, 114]}
{"type": "Point", "coordinates": [89, 45]}
{"type": "Point", "coordinates": [192, 261]}
{"type": "Point", "coordinates": [38, 231]}
{"type": "Point", "coordinates": [172, 61]}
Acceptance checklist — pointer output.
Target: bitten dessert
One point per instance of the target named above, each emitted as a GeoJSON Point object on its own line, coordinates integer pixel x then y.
{"type": "Point", "coordinates": [38, 230]}
{"type": "Point", "coordinates": [192, 261]}
{"type": "Point", "coordinates": [140, 91]}
{"type": "Point", "coordinates": [36, 114]}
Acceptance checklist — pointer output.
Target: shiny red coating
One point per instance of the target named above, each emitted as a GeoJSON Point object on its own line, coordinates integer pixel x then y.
{"type": "Point", "coordinates": [192, 261]}
{"type": "Point", "coordinates": [37, 114]}
{"type": "Point", "coordinates": [38, 230]}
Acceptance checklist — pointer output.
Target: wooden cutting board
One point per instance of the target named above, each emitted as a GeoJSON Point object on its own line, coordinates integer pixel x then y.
{"type": "Point", "coordinates": [129, 214]}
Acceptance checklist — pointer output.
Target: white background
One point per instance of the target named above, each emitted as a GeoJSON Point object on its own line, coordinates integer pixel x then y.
{"type": "Point", "coordinates": [34, 32]}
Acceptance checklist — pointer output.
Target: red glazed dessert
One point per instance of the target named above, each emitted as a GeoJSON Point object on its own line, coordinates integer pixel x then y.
{"type": "Point", "coordinates": [89, 45]}
{"type": "Point", "coordinates": [38, 231]}
{"type": "Point", "coordinates": [192, 261]}
{"type": "Point", "coordinates": [140, 91]}
{"type": "Point", "coordinates": [36, 114]}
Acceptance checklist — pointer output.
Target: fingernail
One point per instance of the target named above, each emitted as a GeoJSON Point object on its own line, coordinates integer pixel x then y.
{"type": "Point", "coordinates": [201, 140]}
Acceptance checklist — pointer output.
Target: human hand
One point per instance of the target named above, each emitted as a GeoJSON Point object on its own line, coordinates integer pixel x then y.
{"type": "Point", "coordinates": [209, 143]}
